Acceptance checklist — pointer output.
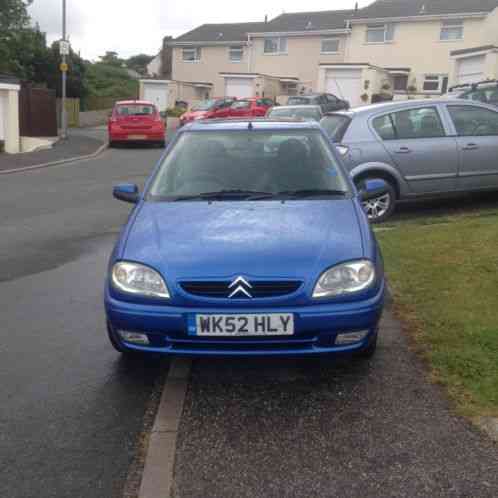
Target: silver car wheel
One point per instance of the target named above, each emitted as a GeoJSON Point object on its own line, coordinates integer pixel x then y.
{"type": "Point", "coordinates": [377, 207]}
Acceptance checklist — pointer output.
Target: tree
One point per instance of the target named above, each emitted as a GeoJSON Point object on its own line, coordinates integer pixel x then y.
{"type": "Point", "coordinates": [111, 59]}
{"type": "Point", "coordinates": [139, 63]}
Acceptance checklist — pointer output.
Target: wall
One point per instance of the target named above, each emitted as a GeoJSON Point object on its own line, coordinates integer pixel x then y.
{"type": "Point", "coordinates": [94, 118]}
{"type": "Point", "coordinates": [416, 45]}
{"type": "Point", "coordinates": [490, 29]}
{"type": "Point", "coordinates": [301, 61]}
{"type": "Point", "coordinates": [214, 60]}
{"type": "Point", "coordinates": [3, 111]}
{"type": "Point", "coordinates": [10, 117]}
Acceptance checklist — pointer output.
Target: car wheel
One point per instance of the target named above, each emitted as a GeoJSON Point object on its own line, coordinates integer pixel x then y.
{"type": "Point", "coordinates": [369, 351]}
{"type": "Point", "coordinates": [380, 208]}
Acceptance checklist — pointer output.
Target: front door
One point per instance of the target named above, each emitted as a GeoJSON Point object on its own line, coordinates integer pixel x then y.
{"type": "Point", "coordinates": [477, 138]}
{"type": "Point", "coordinates": [420, 148]}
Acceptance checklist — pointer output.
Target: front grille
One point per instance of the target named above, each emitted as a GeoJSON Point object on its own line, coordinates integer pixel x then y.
{"type": "Point", "coordinates": [260, 289]}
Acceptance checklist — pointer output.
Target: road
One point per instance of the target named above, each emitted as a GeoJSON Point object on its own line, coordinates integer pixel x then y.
{"type": "Point", "coordinates": [71, 411]}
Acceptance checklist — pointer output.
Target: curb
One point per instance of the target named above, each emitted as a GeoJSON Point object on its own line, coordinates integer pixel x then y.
{"type": "Point", "coordinates": [57, 163]}
{"type": "Point", "coordinates": [157, 477]}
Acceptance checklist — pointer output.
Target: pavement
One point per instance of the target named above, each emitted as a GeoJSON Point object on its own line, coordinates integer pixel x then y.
{"type": "Point", "coordinates": [71, 409]}
{"type": "Point", "coordinates": [311, 428]}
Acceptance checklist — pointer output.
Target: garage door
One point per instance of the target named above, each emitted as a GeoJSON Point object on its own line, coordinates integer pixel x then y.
{"type": "Point", "coordinates": [470, 69]}
{"type": "Point", "coordinates": [345, 84]}
{"type": "Point", "coordinates": [157, 93]}
{"type": "Point", "coordinates": [239, 87]}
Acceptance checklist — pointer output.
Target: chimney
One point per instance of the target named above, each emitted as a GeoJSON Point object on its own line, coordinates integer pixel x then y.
{"type": "Point", "coordinates": [356, 7]}
{"type": "Point", "coordinates": [266, 19]}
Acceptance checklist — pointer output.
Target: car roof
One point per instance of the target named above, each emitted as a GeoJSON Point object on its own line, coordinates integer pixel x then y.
{"type": "Point", "coordinates": [298, 106]}
{"type": "Point", "coordinates": [246, 124]}
{"type": "Point", "coordinates": [405, 104]}
{"type": "Point", "coordinates": [127, 102]}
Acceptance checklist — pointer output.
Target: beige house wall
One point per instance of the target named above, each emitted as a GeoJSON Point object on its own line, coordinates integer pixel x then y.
{"type": "Point", "coordinates": [490, 29]}
{"type": "Point", "coordinates": [10, 110]}
{"type": "Point", "coordinates": [416, 45]}
{"type": "Point", "coordinates": [301, 61]}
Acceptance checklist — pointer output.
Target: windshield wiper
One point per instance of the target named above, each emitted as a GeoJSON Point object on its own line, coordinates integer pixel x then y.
{"type": "Point", "coordinates": [311, 193]}
{"type": "Point", "coordinates": [223, 194]}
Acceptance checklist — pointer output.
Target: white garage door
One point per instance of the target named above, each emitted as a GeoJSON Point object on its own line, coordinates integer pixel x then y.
{"type": "Point", "coordinates": [157, 93]}
{"type": "Point", "coordinates": [345, 84]}
{"type": "Point", "coordinates": [3, 110]}
{"type": "Point", "coordinates": [470, 69]}
{"type": "Point", "coordinates": [239, 87]}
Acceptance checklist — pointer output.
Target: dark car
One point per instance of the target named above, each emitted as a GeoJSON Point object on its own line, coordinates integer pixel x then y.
{"type": "Point", "coordinates": [485, 92]}
{"type": "Point", "coordinates": [327, 101]}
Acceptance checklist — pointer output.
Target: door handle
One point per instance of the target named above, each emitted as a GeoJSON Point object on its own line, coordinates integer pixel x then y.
{"type": "Point", "coordinates": [470, 147]}
{"type": "Point", "coordinates": [403, 150]}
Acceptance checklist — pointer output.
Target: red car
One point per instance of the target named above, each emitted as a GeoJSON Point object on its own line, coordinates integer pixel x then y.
{"type": "Point", "coordinates": [250, 107]}
{"type": "Point", "coordinates": [208, 109]}
{"type": "Point", "coordinates": [136, 121]}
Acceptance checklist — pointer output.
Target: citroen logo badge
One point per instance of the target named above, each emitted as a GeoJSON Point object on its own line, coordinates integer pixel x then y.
{"type": "Point", "coordinates": [240, 286]}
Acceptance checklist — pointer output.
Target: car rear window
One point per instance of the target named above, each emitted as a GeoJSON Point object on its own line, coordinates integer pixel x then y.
{"type": "Point", "coordinates": [135, 110]}
{"type": "Point", "coordinates": [336, 125]}
{"type": "Point", "coordinates": [306, 113]}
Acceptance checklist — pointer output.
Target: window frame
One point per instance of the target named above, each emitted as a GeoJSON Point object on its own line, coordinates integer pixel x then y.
{"type": "Point", "coordinates": [400, 90]}
{"type": "Point", "coordinates": [280, 43]}
{"type": "Point", "coordinates": [197, 54]}
{"type": "Point", "coordinates": [389, 115]}
{"type": "Point", "coordinates": [386, 28]}
{"type": "Point", "coordinates": [447, 25]}
{"type": "Point", "coordinates": [440, 80]}
{"type": "Point", "coordinates": [464, 105]}
{"type": "Point", "coordinates": [324, 40]}
{"type": "Point", "coordinates": [236, 48]}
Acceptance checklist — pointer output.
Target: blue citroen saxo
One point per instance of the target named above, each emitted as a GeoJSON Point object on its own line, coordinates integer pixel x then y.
{"type": "Point", "coordinates": [248, 239]}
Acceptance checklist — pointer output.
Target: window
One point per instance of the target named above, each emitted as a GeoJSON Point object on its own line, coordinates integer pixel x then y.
{"type": "Point", "coordinates": [423, 122]}
{"type": "Point", "coordinates": [335, 126]}
{"type": "Point", "coordinates": [241, 104]}
{"type": "Point", "coordinates": [330, 46]}
{"type": "Point", "coordinates": [435, 83]}
{"type": "Point", "coordinates": [451, 30]}
{"type": "Point", "coordinates": [474, 121]}
{"type": "Point", "coordinates": [400, 82]}
{"type": "Point", "coordinates": [331, 99]}
{"type": "Point", "coordinates": [380, 33]}
{"type": "Point", "coordinates": [235, 53]}
{"type": "Point", "coordinates": [275, 45]}
{"type": "Point", "coordinates": [485, 95]}
{"type": "Point", "coordinates": [191, 54]}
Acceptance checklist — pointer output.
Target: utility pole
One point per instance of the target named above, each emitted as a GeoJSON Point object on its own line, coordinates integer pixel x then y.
{"type": "Point", "coordinates": [64, 73]}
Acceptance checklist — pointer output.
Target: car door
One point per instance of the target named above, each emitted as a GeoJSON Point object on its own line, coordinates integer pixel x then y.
{"type": "Point", "coordinates": [259, 107]}
{"type": "Point", "coordinates": [420, 148]}
{"type": "Point", "coordinates": [476, 130]}
{"type": "Point", "coordinates": [240, 108]}
{"type": "Point", "coordinates": [223, 108]}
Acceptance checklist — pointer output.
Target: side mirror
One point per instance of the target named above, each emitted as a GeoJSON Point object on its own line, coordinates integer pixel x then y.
{"type": "Point", "coordinates": [127, 192]}
{"type": "Point", "coordinates": [373, 188]}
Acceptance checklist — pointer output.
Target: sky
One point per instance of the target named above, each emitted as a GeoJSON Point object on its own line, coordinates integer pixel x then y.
{"type": "Point", "coordinates": [130, 27]}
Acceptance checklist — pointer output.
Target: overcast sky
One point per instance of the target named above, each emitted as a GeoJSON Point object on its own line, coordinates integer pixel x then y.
{"type": "Point", "coordinates": [130, 27]}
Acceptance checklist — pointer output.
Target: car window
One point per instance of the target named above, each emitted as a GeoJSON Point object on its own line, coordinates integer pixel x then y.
{"type": "Point", "coordinates": [205, 105]}
{"type": "Point", "coordinates": [267, 102]}
{"type": "Point", "coordinates": [331, 98]}
{"type": "Point", "coordinates": [423, 122]}
{"type": "Point", "coordinates": [260, 160]}
{"type": "Point", "coordinates": [134, 110]}
{"type": "Point", "coordinates": [335, 126]}
{"type": "Point", "coordinates": [474, 121]}
{"type": "Point", "coordinates": [298, 101]}
{"type": "Point", "coordinates": [306, 113]}
{"type": "Point", "coordinates": [226, 103]}
{"type": "Point", "coordinates": [485, 95]}
{"type": "Point", "coordinates": [241, 104]}
{"type": "Point", "coordinates": [384, 126]}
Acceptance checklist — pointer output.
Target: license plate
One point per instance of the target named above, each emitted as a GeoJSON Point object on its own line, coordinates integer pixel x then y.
{"type": "Point", "coordinates": [244, 325]}
{"type": "Point", "coordinates": [136, 137]}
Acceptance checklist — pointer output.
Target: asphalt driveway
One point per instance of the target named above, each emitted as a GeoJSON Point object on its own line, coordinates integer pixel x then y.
{"type": "Point", "coordinates": [328, 429]}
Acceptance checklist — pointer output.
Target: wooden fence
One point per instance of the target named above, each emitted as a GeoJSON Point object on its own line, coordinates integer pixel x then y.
{"type": "Point", "coordinates": [72, 110]}
{"type": "Point", "coordinates": [37, 112]}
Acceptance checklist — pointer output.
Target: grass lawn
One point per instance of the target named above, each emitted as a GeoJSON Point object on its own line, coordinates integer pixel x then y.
{"type": "Point", "coordinates": [444, 275]}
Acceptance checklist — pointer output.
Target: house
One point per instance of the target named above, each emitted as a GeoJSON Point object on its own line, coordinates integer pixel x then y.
{"type": "Point", "coordinates": [400, 48]}
{"type": "Point", "coordinates": [9, 113]}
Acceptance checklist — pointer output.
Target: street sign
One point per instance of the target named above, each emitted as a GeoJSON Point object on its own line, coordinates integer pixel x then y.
{"type": "Point", "coordinates": [63, 67]}
{"type": "Point", "coordinates": [64, 47]}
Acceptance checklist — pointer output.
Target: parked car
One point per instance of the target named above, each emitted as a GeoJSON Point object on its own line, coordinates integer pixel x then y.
{"type": "Point", "coordinates": [136, 121]}
{"type": "Point", "coordinates": [326, 101]}
{"type": "Point", "coordinates": [484, 91]}
{"type": "Point", "coordinates": [236, 248]}
{"type": "Point", "coordinates": [305, 112]}
{"type": "Point", "coordinates": [208, 109]}
{"type": "Point", "coordinates": [425, 147]}
{"type": "Point", "coordinates": [250, 107]}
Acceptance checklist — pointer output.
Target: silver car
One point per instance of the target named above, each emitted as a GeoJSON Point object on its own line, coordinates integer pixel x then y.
{"type": "Point", "coordinates": [304, 112]}
{"type": "Point", "coordinates": [417, 148]}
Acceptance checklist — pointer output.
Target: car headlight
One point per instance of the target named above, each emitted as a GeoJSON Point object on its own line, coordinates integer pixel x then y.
{"type": "Point", "coordinates": [134, 278]}
{"type": "Point", "coordinates": [345, 278]}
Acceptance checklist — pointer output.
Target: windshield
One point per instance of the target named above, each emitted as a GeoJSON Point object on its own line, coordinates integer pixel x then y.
{"type": "Point", "coordinates": [306, 113]}
{"type": "Point", "coordinates": [335, 126]}
{"type": "Point", "coordinates": [256, 161]}
{"type": "Point", "coordinates": [205, 105]}
{"type": "Point", "coordinates": [135, 110]}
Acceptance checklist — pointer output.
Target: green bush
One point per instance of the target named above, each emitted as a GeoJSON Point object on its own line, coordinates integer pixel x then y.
{"type": "Point", "coordinates": [175, 112]}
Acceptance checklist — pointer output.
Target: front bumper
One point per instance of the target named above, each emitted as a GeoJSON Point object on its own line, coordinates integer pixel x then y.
{"type": "Point", "coordinates": [316, 328]}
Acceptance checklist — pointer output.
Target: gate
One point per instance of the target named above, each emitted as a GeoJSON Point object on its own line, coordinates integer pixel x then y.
{"type": "Point", "coordinates": [37, 112]}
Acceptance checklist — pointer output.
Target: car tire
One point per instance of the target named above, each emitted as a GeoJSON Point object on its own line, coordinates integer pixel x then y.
{"type": "Point", "coordinates": [381, 208]}
{"type": "Point", "coordinates": [369, 351]}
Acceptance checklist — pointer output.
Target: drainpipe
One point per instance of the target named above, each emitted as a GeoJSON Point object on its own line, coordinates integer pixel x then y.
{"type": "Point", "coordinates": [249, 54]}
